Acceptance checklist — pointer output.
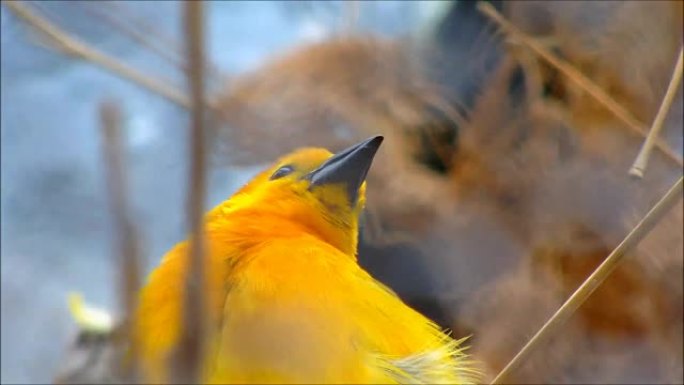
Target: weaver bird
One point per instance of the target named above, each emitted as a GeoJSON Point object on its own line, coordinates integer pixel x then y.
{"type": "Point", "coordinates": [287, 301]}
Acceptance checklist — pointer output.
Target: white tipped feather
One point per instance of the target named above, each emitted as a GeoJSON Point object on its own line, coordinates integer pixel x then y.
{"type": "Point", "coordinates": [87, 317]}
{"type": "Point", "coordinates": [446, 364]}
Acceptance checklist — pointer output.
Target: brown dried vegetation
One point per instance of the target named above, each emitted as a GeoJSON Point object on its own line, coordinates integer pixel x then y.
{"type": "Point", "coordinates": [538, 173]}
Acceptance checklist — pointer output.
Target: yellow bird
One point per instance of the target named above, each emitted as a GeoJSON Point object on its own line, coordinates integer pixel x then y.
{"type": "Point", "coordinates": [287, 301]}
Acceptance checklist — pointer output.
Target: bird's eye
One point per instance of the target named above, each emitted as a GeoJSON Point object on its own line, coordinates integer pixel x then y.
{"type": "Point", "coordinates": [281, 172]}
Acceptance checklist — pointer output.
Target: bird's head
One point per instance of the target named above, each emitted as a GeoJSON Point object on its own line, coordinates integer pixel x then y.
{"type": "Point", "coordinates": [315, 189]}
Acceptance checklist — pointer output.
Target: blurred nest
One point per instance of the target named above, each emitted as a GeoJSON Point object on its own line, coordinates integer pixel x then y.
{"type": "Point", "coordinates": [503, 182]}
{"type": "Point", "coordinates": [536, 167]}
{"type": "Point", "coordinates": [336, 93]}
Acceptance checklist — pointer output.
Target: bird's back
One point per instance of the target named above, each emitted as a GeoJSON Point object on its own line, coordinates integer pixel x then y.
{"type": "Point", "coordinates": [301, 311]}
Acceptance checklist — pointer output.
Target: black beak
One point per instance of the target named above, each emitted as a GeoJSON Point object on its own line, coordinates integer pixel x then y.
{"type": "Point", "coordinates": [348, 167]}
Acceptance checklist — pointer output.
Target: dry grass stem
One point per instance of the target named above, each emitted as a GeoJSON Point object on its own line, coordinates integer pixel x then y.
{"type": "Point", "coordinates": [191, 349]}
{"type": "Point", "coordinates": [350, 15]}
{"type": "Point", "coordinates": [647, 223]}
{"type": "Point", "coordinates": [122, 19]}
{"type": "Point", "coordinates": [129, 258]}
{"type": "Point", "coordinates": [124, 23]}
{"type": "Point", "coordinates": [641, 161]}
{"type": "Point", "coordinates": [74, 47]}
{"type": "Point", "coordinates": [580, 79]}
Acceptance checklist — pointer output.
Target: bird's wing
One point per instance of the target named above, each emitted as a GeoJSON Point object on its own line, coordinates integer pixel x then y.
{"type": "Point", "coordinates": [408, 347]}
{"type": "Point", "coordinates": [446, 364]}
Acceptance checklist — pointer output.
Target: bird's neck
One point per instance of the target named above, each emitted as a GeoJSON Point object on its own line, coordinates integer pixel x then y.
{"type": "Point", "coordinates": [249, 227]}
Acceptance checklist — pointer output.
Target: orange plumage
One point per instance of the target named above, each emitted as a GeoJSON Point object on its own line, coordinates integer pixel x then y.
{"type": "Point", "coordinates": [287, 301]}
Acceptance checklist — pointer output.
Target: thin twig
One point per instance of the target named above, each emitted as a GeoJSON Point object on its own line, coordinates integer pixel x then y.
{"type": "Point", "coordinates": [123, 9]}
{"type": "Point", "coordinates": [129, 255]}
{"type": "Point", "coordinates": [144, 37]}
{"type": "Point", "coordinates": [641, 160]}
{"type": "Point", "coordinates": [350, 15]}
{"type": "Point", "coordinates": [647, 223]}
{"type": "Point", "coordinates": [119, 17]}
{"type": "Point", "coordinates": [580, 79]}
{"type": "Point", "coordinates": [74, 47]}
{"type": "Point", "coordinates": [192, 339]}
{"type": "Point", "coordinates": [164, 39]}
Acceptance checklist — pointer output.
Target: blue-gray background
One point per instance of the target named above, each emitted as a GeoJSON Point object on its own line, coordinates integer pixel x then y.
{"type": "Point", "coordinates": [55, 224]}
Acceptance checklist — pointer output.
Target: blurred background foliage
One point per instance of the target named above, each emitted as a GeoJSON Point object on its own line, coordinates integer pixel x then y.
{"type": "Point", "coordinates": [501, 185]}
